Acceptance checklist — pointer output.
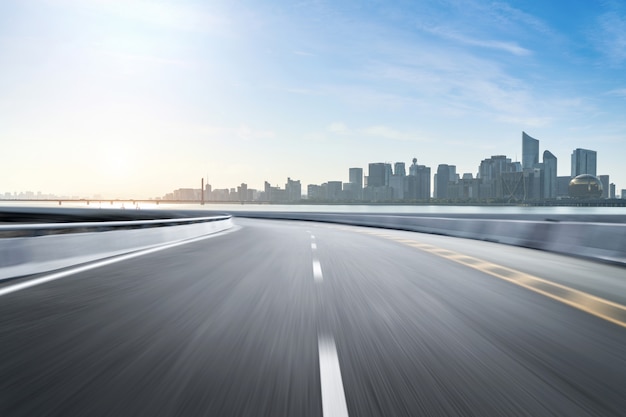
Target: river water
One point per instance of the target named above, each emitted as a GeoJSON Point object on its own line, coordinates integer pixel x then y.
{"type": "Point", "coordinates": [399, 209]}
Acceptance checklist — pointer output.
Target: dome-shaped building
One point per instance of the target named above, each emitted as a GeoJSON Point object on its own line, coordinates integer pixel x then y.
{"type": "Point", "coordinates": [585, 186]}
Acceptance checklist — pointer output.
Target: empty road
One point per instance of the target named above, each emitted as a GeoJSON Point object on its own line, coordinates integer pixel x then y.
{"type": "Point", "coordinates": [278, 318]}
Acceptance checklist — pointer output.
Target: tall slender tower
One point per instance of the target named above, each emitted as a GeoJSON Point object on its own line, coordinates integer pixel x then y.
{"type": "Point", "coordinates": [549, 175]}
{"type": "Point", "coordinates": [202, 192]}
{"type": "Point", "coordinates": [530, 151]}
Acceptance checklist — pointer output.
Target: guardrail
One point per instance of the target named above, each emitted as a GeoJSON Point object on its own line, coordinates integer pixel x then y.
{"type": "Point", "coordinates": [27, 249]}
{"type": "Point", "coordinates": [42, 229]}
{"type": "Point", "coordinates": [590, 237]}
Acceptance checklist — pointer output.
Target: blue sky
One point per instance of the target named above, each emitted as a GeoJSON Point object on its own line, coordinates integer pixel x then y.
{"type": "Point", "coordinates": [136, 98]}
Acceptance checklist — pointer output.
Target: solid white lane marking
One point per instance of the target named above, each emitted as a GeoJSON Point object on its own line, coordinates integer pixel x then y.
{"type": "Point", "coordinates": [313, 245]}
{"type": "Point", "coordinates": [317, 271]}
{"type": "Point", "coordinates": [58, 275]}
{"type": "Point", "coordinates": [333, 396]}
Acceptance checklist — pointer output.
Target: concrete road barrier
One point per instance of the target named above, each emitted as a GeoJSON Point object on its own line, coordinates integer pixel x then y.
{"type": "Point", "coordinates": [589, 238]}
{"type": "Point", "coordinates": [76, 243]}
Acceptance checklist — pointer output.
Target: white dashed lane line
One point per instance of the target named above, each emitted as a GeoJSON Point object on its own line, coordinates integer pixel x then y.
{"type": "Point", "coordinates": [317, 267]}
{"type": "Point", "coordinates": [333, 396]}
{"type": "Point", "coordinates": [317, 271]}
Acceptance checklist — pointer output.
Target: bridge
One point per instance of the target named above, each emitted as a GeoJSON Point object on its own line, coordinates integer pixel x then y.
{"type": "Point", "coordinates": [310, 314]}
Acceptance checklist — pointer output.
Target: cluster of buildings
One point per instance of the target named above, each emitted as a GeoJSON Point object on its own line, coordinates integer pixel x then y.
{"type": "Point", "coordinates": [499, 179]}
{"type": "Point", "coordinates": [380, 185]}
{"type": "Point", "coordinates": [31, 195]}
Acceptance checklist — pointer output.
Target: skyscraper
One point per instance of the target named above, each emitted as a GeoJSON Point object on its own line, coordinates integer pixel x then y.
{"type": "Point", "coordinates": [418, 182]}
{"type": "Point", "coordinates": [413, 168]}
{"type": "Point", "coordinates": [355, 184]}
{"type": "Point", "coordinates": [443, 178]}
{"type": "Point", "coordinates": [399, 169]}
{"type": "Point", "coordinates": [583, 162]}
{"type": "Point", "coordinates": [242, 192]}
{"type": "Point", "coordinates": [530, 152]}
{"type": "Point", "coordinates": [549, 175]}
{"type": "Point", "coordinates": [388, 173]}
{"type": "Point", "coordinates": [294, 190]}
{"type": "Point", "coordinates": [378, 176]}
{"type": "Point", "coordinates": [490, 172]}
{"type": "Point", "coordinates": [333, 190]}
{"type": "Point", "coordinates": [355, 176]}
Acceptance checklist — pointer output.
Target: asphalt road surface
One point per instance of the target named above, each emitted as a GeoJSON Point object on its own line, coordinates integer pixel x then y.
{"type": "Point", "coordinates": [282, 318]}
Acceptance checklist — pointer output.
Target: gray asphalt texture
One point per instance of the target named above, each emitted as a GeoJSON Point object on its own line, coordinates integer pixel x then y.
{"type": "Point", "coordinates": [229, 326]}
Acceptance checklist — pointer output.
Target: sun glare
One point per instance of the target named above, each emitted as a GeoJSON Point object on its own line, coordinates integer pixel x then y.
{"type": "Point", "coordinates": [115, 165]}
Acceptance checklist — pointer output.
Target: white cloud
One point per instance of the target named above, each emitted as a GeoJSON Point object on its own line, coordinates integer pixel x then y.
{"type": "Point", "coordinates": [303, 91]}
{"type": "Point", "coordinates": [303, 53]}
{"type": "Point", "coordinates": [389, 133]}
{"type": "Point", "coordinates": [610, 37]}
{"type": "Point", "coordinates": [620, 92]}
{"type": "Point", "coordinates": [378, 131]}
{"type": "Point", "coordinates": [458, 83]}
{"type": "Point", "coordinates": [241, 132]}
{"type": "Point", "coordinates": [144, 60]}
{"type": "Point", "coordinates": [339, 128]}
{"type": "Point", "coordinates": [508, 16]}
{"type": "Point", "coordinates": [453, 35]}
{"type": "Point", "coordinates": [526, 121]}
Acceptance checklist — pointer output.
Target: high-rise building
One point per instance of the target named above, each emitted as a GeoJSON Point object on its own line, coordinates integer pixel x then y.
{"type": "Point", "coordinates": [492, 167]}
{"type": "Point", "coordinates": [490, 173]}
{"type": "Point", "coordinates": [530, 151]}
{"type": "Point", "coordinates": [333, 190]}
{"type": "Point", "coordinates": [242, 192]}
{"type": "Point", "coordinates": [413, 168]}
{"type": "Point", "coordinates": [562, 186]}
{"type": "Point", "coordinates": [423, 182]}
{"type": "Point", "coordinates": [355, 176]}
{"type": "Point", "coordinates": [273, 194]}
{"type": "Point", "coordinates": [397, 184]}
{"type": "Point", "coordinates": [549, 175]}
{"type": "Point", "coordinates": [314, 192]}
{"type": "Point", "coordinates": [418, 182]}
{"type": "Point", "coordinates": [388, 173]}
{"type": "Point", "coordinates": [583, 162]}
{"type": "Point", "coordinates": [377, 176]}
{"type": "Point", "coordinates": [378, 188]}
{"type": "Point", "coordinates": [467, 188]}
{"type": "Point", "coordinates": [604, 179]}
{"type": "Point", "coordinates": [354, 187]}
{"type": "Point", "coordinates": [442, 180]}
{"type": "Point", "coordinates": [399, 169]}
{"type": "Point", "coordinates": [398, 181]}
{"type": "Point", "coordinates": [294, 190]}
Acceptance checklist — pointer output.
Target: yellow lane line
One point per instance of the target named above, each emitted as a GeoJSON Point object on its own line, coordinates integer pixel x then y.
{"type": "Point", "coordinates": [599, 307]}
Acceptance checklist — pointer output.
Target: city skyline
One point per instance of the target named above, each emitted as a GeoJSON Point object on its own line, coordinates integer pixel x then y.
{"type": "Point", "coordinates": [498, 178]}
{"type": "Point", "coordinates": [127, 99]}
{"type": "Point", "coordinates": [382, 174]}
